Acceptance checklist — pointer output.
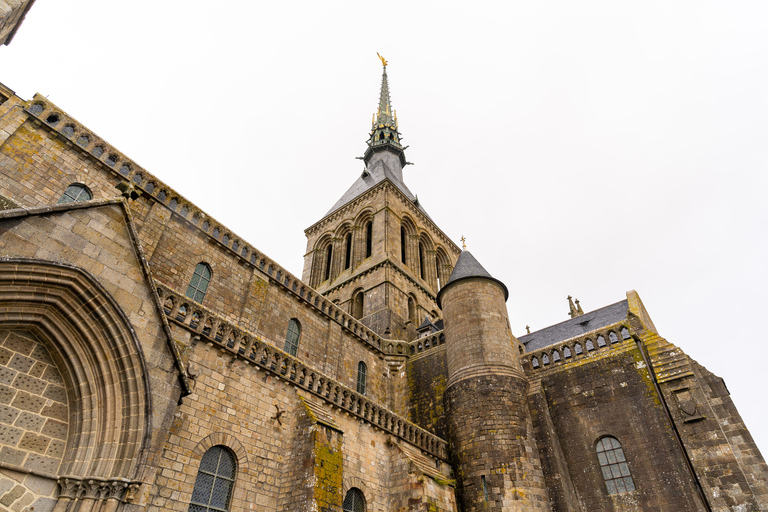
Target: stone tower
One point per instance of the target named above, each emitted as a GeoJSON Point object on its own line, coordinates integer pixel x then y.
{"type": "Point", "coordinates": [489, 423]}
{"type": "Point", "coordinates": [376, 253]}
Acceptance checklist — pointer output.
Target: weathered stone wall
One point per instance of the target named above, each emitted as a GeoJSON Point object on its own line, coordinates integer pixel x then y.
{"type": "Point", "coordinates": [731, 469]}
{"type": "Point", "coordinates": [493, 445]}
{"type": "Point", "coordinates": [34, 422]}
{"type": "Point", "coordinates": [613, 395]}
{"type": "Point", "coordinates": [427, 377]}
{"type": "Point", "coordinates": [287, 464]}
{"type": "Point", "coordinates": [41, 162]}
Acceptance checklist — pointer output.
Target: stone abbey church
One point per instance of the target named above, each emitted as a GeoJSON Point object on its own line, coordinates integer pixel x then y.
{"type": "Point", "coordinates": [150, 359]}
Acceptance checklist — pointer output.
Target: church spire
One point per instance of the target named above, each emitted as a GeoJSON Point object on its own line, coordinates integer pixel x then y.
{"type": "Point", "coordinates": [384, 134]}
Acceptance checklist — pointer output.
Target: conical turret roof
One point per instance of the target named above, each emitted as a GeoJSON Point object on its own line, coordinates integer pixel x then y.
{"type": "Point", "coordinates": [468, 267]}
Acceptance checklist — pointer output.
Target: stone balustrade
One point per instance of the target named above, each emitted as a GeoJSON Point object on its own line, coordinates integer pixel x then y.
{"type": "Point", "coordinates": [577, 348]}
{"type": "Point", "coordinates": [266, 356]}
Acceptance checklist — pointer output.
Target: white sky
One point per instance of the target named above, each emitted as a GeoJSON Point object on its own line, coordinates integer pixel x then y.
{"type": "Point", "coordinates": [584, 148]}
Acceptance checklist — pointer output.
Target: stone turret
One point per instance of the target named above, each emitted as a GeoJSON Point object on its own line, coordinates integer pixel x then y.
{"type": "Point", "coordinates": [489, 423]}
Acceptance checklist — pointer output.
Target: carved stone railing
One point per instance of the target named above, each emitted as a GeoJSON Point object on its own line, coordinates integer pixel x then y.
{"type": "Point", "coordinates": [253, 350]}
{"type": "Point", "coordinates": [424, 344]}
{"type": "Point", "coordinates": [74, 133]}
{"type": "Point", "coordinates": [574, 349]}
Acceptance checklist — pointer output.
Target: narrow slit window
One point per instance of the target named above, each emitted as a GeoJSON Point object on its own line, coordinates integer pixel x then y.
{"type": "Point", "coordinates": [402, 245]}
{"type": "Point", "coordinates": [421, 260]}
{"type": "Point", "coordinates": [348, 256]}
{"type": "Point", "coordinates": [361, 376]}
{"type": "Point", "coordinates": [198, 286]}
{"type": "Point", "coordinates": [328, 254]}
{"type": "Point", "coordinates": [369, 239]}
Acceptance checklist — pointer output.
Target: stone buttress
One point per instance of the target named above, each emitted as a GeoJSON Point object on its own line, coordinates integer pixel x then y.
{"type": "Point", "coordinates": [489, 423]}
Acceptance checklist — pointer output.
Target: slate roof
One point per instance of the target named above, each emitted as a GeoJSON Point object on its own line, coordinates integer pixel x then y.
{"type": "Point", "coordinates": [467, 266]}
{"type": "Point", "coordinates": [377, 172]}
{"type": "Point", "coordinates": [576, 326]}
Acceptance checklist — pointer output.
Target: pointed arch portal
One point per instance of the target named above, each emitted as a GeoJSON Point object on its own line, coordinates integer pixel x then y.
{"type": "Point", "coordinates": [96, 351]}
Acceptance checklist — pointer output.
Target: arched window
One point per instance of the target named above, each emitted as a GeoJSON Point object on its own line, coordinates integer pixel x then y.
{"type": "Point", "coordinates": [328, 254]}
{"type": "Point", "coordinates": [214, 482]}
{"type": "Point", "coordinates": [421, 259]}
{"type": "Point", "coordinates": [199, 283]}
{"type": "Point", "coordinates": [402, 245]}
{"type": "Point", "coordinates": [614, 466]}
{"type": "Point", "coordinates": [369, 239]}
{"type": "Point", "coordinates": [354, 501]}
{"type": "Point", "coordinates": [348, 256]}
{"type": "Point", "coordinates": [361, 372]}
{"type": "Point", "coordinates": [357, 304]}
{"type": "Point", "coordinates": [76, 193]}
{"type": "Point", "coordinates": [411, 309]}
{"type": "Point", "coordinates": [292, 337]}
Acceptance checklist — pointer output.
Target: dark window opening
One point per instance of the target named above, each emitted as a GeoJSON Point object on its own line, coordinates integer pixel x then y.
{"type": "Point", "coordinates": [348, 255]}
{"type": "Point", "coordinates": [328, 254]}
{"type": "Point", "coordinates": [368, 239]}
{"type": "Point", "coordinates": [402, 245]}
{"type": "Point", "coordinates": [357, 304]}
{"type": "Point", "coordinates": [421, 260]}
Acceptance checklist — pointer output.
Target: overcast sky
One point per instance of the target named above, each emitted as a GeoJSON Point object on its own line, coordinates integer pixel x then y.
{"type": "Point", "coordinates": [584, 148]}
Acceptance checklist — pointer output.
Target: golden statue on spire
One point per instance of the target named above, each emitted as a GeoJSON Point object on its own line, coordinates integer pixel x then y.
{"type": "Point", "coordinates": [382, 59]}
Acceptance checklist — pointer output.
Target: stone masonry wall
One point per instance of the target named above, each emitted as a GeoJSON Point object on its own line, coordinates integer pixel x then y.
{"type": "Point", "coordinates": [731, 469]}
{"type": "Point", "coordinates": [427, 377]}
{"type": "Point", "coordinates": [614, 396]}
{"type": "Point", "coordinates": [40, 164]}
{"type": "Point", "coordinates": [34, 421]}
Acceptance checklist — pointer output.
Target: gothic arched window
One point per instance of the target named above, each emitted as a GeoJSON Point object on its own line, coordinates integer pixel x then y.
{"type": "Point", "coordinates": [402, 245]}
{"type": "Point", "coordinates": [292, 337]}
{"type": "Point", "coordinates": [354, 501]}
{"type": "Point", "coordinates": [328, 254]}
{"type": "Point", "coordinates": [361, 373]}
{"type": "Point", "coordinates": [369, 239]}
{"type": "Point", "coordinates": [357, 304]}
{"type": "Point", "coordinates": [76, 193]}
{"type": "Point", "coordinates": [214, 482]}
{"type": "Point", "coordinates": [421, 259]}
{"type": "Point", "coordinates": [348, 256]}
{"type": "Point", "coordinates": [614, 466]}
{"type": "Point", "coordinates": [411, 309]}
{"type": "Point", "coordinates": [199, 283]}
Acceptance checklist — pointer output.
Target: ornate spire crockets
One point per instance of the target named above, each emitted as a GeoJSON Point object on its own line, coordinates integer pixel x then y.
{"type": "Point", "coordinates": [384, 134]}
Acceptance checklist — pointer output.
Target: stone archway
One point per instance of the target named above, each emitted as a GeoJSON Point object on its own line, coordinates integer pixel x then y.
{"type": "Point", "coordinates": [102, 368]}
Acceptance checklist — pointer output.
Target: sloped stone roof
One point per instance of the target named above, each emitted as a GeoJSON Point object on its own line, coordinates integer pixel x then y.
{"type": "Point", "coordinates": [576, 326]}
{"type": "Point", "coordinates": [375, 173]}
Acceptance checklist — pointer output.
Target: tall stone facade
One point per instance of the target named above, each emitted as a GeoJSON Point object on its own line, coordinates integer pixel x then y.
{"type": "Point", "coordinates": [151, 359]}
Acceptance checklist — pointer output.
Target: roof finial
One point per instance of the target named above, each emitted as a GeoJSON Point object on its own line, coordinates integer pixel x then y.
{"type": "Point", "coordinates": [463, 242]}
{"type": "Point", "coordinates": [528, 328]}
{"type": "Point", "coordinates": [382, 59]}
{"type": "Point", "coordinates": [574, 310]}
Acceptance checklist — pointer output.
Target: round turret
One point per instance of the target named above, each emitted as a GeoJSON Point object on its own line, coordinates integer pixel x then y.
{"type": "Point", "coordinates": [486, 397]}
